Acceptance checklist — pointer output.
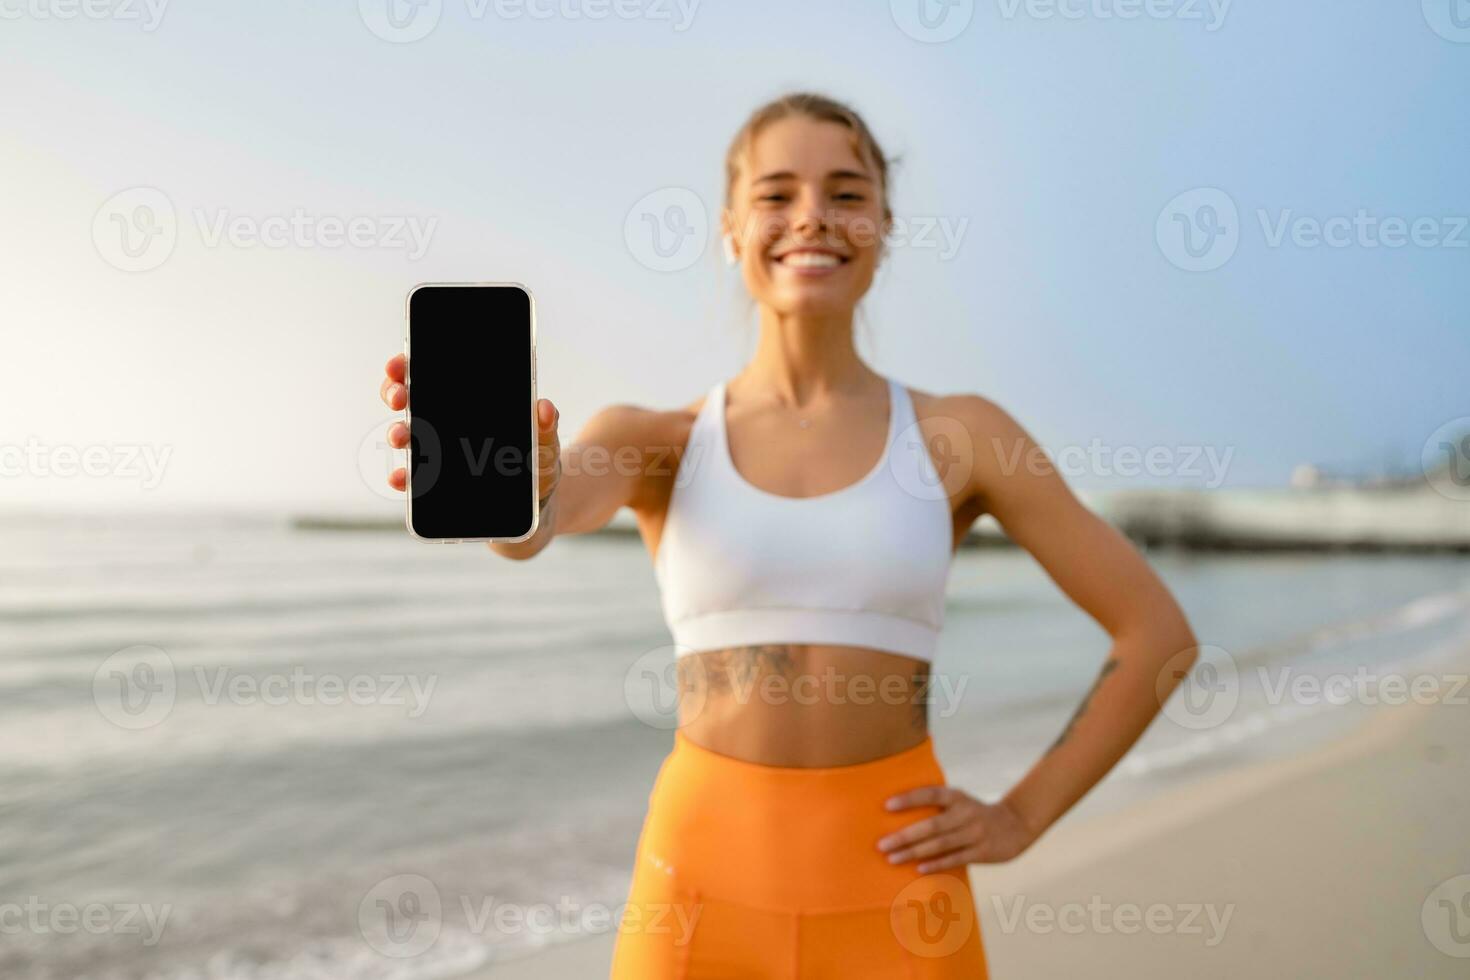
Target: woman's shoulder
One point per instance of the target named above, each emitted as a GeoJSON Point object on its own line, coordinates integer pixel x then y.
{"type": "Point", "coordinates": [630, 424]}
{"type": "Point", "coordinates": [974, 411]}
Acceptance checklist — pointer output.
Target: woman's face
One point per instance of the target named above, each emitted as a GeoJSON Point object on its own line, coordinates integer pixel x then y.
{"type": "Point", "coordinates": [806, 213]}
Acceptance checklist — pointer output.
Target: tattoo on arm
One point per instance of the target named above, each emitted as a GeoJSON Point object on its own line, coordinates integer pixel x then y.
{"type": "Point", "coordinates": [1107, 669]}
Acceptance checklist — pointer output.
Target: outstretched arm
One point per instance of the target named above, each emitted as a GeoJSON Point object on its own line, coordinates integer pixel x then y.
{"type": "Point", "coordinates": [582, 485]}
{"type": "Point", "coordinates": [603, 469]}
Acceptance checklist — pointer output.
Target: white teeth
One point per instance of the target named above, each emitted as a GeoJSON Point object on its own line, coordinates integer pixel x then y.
{"type": "Point", "coordinates": [811, 260]}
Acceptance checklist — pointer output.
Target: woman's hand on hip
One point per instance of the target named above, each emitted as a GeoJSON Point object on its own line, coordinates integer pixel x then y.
{"type": "Point", "coordinates": [966, 831]}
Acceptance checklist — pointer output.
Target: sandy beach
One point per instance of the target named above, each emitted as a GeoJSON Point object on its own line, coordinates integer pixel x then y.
{"type": "Point", "coordinates": [1323, 864]}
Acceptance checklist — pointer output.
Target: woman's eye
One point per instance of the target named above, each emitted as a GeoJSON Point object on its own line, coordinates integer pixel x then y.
{"type": "Point", "coordinates": [772, 197]}
{"type": "Point", "coordinates": [849, 196]}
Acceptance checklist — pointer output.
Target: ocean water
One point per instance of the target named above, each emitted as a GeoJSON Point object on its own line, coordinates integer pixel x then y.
{"type": "Point", "coordinates": [232, 749]}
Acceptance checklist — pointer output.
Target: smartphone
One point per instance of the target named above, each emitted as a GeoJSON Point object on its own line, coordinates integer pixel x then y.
{"type": "Point", "coordinates": [470, 350]}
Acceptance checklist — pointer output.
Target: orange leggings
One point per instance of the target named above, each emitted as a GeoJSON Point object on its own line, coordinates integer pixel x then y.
{"type": "Point", "coordinates": [745, 870]}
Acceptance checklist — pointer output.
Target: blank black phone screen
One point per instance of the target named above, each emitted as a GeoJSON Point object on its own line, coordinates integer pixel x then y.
{"type": "Point", "coordinates": [471, 457]}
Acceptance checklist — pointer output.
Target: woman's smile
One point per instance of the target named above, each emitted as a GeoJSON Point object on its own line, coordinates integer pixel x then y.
{"type": "Point", "coordinates": [808, 262]}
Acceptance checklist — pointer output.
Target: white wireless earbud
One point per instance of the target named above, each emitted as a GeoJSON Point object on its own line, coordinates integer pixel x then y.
{"type": "Point", "coordinates": [730, 257]}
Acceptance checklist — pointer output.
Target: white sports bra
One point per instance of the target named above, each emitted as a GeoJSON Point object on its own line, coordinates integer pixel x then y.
{"type": "Point", "coordinates": [865, 565]}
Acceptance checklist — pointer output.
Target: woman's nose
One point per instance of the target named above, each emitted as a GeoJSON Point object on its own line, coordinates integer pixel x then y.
{"type": "Point", "coordinates": [809, 218]}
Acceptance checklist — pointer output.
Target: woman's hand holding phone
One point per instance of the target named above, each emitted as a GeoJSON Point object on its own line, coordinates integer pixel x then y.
{"type": "Point", "coordinates": [394, 392]}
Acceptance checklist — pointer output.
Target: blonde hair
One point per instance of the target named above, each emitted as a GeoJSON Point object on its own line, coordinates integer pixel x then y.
{"type": "Point", "coordinates": [813, 106]}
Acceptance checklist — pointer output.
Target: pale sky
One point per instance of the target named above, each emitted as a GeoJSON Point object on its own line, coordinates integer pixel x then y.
{"type": "Point", "coordinates": [1042, 148]}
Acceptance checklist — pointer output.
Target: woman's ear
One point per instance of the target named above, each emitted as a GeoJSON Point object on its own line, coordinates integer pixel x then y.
{"type": "Point", "coordinates": [732, 256]}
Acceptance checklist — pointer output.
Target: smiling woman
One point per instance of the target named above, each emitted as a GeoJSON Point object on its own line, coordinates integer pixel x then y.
{"type": "Point", "coordinates": [806, 204]}
{"type": "Point", "coordinates": [796, 561]}
{"type": "Point", "coordinates": [802, 825]}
